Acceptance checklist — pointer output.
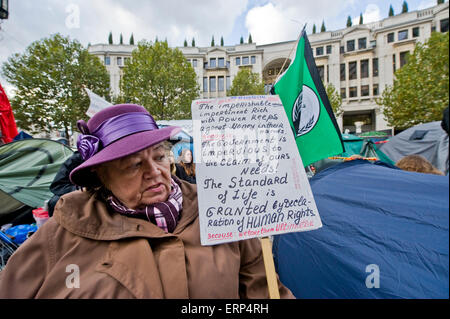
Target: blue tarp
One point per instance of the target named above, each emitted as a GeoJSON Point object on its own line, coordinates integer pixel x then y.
{"type": "Point", "coordinates": [379, 222]}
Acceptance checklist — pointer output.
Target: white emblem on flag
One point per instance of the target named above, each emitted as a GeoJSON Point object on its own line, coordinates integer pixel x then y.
{"type": "Point", "coordinates": [305, 112]}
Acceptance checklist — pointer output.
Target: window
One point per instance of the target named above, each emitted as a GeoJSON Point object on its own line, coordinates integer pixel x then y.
{"type": "Point", "coordinates": [393, 63]}
{"type": "Point", "coordinates": [238, 61]}
{"type": "Point", "coordinates": [444, 25]}
{"type": "Point", "coordinates": [119, 60]}
{"type": "Point", "coordinates": [364, 90]}
{"type": "Point", "coordinates": [320, 68]}
{"type": "Point", "coordinates": [343, 93]}
{"type": "Point", "coordinates": [402, 35]}
{"type": "Point", "coordinates": [194, 63]}
{"type": "Point", "coordinates": [328, 49]}
{"type": "Point", "coordinates": [352, 70]}
{"type": "Point", "coordinates": [351, 45]}
{"type": "Point", "coordinates": [364, 69]}
{"type": "Point", "coordinates": [403, 58]}
{"type": "Point", "coordinates": [375, 66]}
{"type": "Point", "coordinates": [212, 84]}
{"type": "Point", "coordinates": [228, 64]}
{"type": "Point", "coordinates": [221, 62]}
{"type": "Point", "coordinates": [228, 83]}
{"type": "Point", "coordinates": [341, 49]}
{"type": "Point", "coordinates": [375, 89]}
{"type": "Point", "coordinates": [205, 84]}
{"type": "Point", "coordinates": [362, 43]}
{"type": "Point", "coordinates": [107, 60]}
{"type": "Point", "coordinates": [415, 32]}
{"type": "Point", "coordinates": [353, 92]}
{"type": "Point", "coordinates": [245, 60]}
{"type": "Point", "coordinates": [319, 51]}
{"type": "Point", "coordinates": [342, 71]}
{"type": "Point", "coordinates": [205, 65]}
{"type": "Point", "coordinates": [221, 83]}
{"type": "Point", "coordinates": [212, 62]}
{"type": "Point", "coordinates": [390, 37]}
{"type": "Point", "coordinates": [253, 59]}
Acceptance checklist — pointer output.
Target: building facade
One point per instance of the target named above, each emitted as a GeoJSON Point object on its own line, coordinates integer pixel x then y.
{"type": "Point", "coordinates": [359, 61]}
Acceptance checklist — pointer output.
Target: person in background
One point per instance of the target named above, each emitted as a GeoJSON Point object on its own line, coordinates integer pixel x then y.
{"type": "Point", "coordinates": [133, 231]}
{"type": "Point", "coordinates": [185, 168]}
{"type": "Point", "coordinates": [417, 163]}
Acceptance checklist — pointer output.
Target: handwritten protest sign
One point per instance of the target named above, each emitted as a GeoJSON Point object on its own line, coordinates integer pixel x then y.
{"type": "Point", "coordinates": [250, 177]}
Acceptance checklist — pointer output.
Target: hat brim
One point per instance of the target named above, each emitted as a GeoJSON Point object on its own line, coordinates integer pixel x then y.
{"type": "Point", "coordinates": [82, 175]}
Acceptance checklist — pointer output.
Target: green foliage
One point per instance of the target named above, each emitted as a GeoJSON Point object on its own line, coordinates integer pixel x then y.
{"type": "Point", "coordinates": [132, 39]}
{"type": "Point", "coordinates": [250, 40]}
{"type": "Point", "coordinates": [322, 28]}
{"type": "Point", "coordinates": [193, 42]}
{"type": "Point", "coordinates": [421, 87]}
{"type": "Point", "coordinates": [49, 77]}
{"type": "Point", "coordinates": [121, 39]}
{"type": "Point", "coordinates": [221, 41]}
{"type": "Point", "coordinates": [335, 99]}
{"type": "Point", "coordinates": [212, 41]}
{"type": "Point", "coordinates": [160, 79]}
{"type": "Point", "coordinates": [440, 1]}
{"type": "Point", "coordinates": [349, 21]}
{"type": "Point", "coordinates": [246, 83]}
{"type": "Point", "coordinates": [314, 29]}
{"type": "Point", "coordinates": [361, 18]}
{"type": "Point", "coordinates": [404, 7]}
{"type": "Point", "coordinates": [110, 38]}
{"type": "Point", "coordinates": [391, 11]}
{"type": "Point", "coordinates": [242, 40]}
{"type": "Point", "coordinates": [185, 43]}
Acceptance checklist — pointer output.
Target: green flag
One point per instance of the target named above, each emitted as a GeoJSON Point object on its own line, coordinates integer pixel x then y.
{"type": "Point", "coordinates": [307, 106]}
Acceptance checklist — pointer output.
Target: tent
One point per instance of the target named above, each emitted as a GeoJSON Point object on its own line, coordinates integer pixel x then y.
{"type": "Point", "coordinates": [381, 225]}
{"type": "Point", "coordinates": [428, 140]}
{"type": "Point", "coordinates": [27, 168]}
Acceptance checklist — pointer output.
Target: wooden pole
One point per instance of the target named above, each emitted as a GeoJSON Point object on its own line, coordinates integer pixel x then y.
{"type": "Point", "coordinates": [271, 275]}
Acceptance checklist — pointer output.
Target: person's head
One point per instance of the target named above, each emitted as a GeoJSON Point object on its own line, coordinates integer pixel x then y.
{"type": "Point", "coordinates": [417, 163]}
{"type": "Point", "coordinates": [126, 154]}
{"type": "Point", "coordinates": [186, 156]}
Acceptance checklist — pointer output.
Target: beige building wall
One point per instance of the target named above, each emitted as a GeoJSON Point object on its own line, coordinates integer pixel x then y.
{"type": "Point", "coordinates": [357, 50]}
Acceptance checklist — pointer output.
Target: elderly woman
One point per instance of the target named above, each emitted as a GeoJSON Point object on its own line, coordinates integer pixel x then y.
{"type": "Point", "coordinates": [133, 232]}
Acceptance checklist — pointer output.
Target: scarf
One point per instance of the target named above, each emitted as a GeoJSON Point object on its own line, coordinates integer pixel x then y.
{"type": "Point", "coordinates": [164, 214]}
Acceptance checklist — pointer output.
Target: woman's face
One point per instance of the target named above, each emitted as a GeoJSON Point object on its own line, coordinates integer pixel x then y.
{"type": "Point", "coordinates": [139, 179]}
{"type": "Point", "coordinates": [187, 157]}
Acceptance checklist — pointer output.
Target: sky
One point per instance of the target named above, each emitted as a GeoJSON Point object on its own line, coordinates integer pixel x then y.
{"type": "Point", "coordinates": [268, 21]}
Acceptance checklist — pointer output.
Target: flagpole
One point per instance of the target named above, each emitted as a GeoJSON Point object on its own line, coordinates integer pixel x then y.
{"type": "Point", "coordinates": [290, 53]}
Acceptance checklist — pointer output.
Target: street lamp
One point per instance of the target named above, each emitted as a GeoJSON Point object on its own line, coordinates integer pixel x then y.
{"type": "Point", "coordinates": [3, 9]}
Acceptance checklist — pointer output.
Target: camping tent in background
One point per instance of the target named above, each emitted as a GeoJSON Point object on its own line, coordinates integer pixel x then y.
{"type": "Point", "coordinates": [354, 145]}
{"type": "Point", "coordinates": [428, 140]}
{"type": "Point", "coordinates": [27, 168]}
{"type": "Point", "coordinates": [184, 137]}
{"type": "Point", "coordinates": [375, 136]}
{"type": "Point", "coordinates": [374, 217]}
{"type": "Point", "coordinates": [21, 136]}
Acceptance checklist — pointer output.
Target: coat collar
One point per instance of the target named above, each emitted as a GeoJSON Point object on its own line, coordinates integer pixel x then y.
{"type": "Point", "coordinates": [82, 214]}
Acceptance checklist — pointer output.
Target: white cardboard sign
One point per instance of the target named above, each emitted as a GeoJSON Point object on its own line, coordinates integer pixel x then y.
{"type": "Point", "coordinates": [250, 178]}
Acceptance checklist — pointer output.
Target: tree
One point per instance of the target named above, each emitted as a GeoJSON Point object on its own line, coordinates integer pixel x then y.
{"type": "Point", "coordinates": [212, 41]}
{"type": "Point", "coordinates": [440, 1]}
{"type": "Point", "coordinates": [132, 39]}
{"type": "Point", "coordinates": [361, 18]}
{"type": "Point", "coordinates": [322, 28]}
{"type": "Point", "coordinates": [121, 39]}
{"type": "Point", "coordinates": [241, 40]}
{"type": "Point", "coordinates": [349, 21]}
{"type": "Point", "coordinates": [250, 40]}
{"type": "Point", "coordinates": [404, 7]}
{"type": "Point", "coordinates": [335, 99]}
{"type": "Point", "coordinates": [314, 29]}
{"type": "Point", "coordinates": [221, 41]}
{"type": "Point", "coordinates": [391, 11]}
{"type": "Point", "coordinates": [49, 77]}
{"type": "Point", "coordinates": [160, 79]}
{"type": "Point", "coordinates": [193, 42]}
{"type": "Point", "coordinates": [419, 93]}
{"type": "Point", "coordinates": [185, 43]}
{"type": "Point", "coordinates": [110, 38]}
{"type": "Point", "coordinates": [246, 83]}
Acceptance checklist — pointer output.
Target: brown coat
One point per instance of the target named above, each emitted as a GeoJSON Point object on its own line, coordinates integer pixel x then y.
{"type": "Point", "coordinates": [123, 257]}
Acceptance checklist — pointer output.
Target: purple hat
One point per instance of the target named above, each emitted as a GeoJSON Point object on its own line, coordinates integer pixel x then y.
{"type": "Point", "coordinates": [112, 133]}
